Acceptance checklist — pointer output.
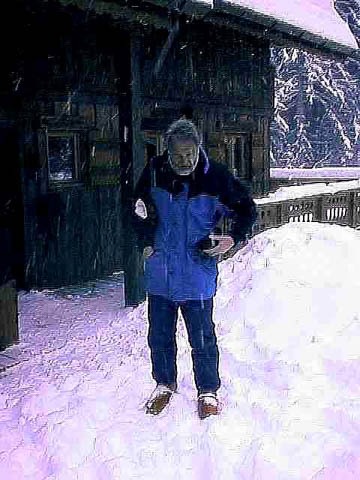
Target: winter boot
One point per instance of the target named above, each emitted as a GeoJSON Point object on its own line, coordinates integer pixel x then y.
{"type": "Point", "coordinates": [208, 405]}
{"type": "Point", "coordinates": [159, 398]}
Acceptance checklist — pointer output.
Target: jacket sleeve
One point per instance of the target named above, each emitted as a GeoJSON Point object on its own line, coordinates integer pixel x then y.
{"type": "Point", "coordinates": [236, 196]}
{"type": "Point", "coordinates": [144, 228]}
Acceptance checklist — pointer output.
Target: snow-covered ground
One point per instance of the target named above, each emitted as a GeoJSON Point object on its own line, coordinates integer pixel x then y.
{"type": "Point", "coordinates": [300, 191]}
{"type": "Point", "coordinates": [328, 172]}
{"type": "Point", "coordinates": [287, 314]}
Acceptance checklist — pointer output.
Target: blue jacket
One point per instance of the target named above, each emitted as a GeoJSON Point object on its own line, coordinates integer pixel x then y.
{"type": "Point", "coordinates": [183, 211]}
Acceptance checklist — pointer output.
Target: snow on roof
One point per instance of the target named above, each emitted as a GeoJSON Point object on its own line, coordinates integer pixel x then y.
{"type": "Point", "coordinates": [317, 17]}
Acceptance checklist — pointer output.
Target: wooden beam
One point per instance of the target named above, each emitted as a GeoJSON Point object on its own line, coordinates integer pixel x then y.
{"type": "Point", "coordinates": [9, 329]}
{"type": "Point", "coordinates": [128, 13]}
{"type": "Point", "coordinates": [133, 262]}
{"type": "Point", "coordinates": [175, 14]}
{"type": "Point", "coordinates": [166, 48]}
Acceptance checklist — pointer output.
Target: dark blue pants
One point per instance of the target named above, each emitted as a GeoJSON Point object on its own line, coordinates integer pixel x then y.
{"type": "Point", "coordinates": [201, 334]}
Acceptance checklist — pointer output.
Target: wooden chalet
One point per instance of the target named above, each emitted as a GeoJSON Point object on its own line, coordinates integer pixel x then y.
{"type": "Point", "coordinates": [86, 92]}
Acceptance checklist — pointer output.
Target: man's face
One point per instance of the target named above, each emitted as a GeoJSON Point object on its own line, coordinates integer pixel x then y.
{"type": "Point", "coordinates": [183, 156]}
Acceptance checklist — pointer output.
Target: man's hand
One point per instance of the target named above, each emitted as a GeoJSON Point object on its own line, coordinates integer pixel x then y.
{"type": "Point", "coordinates": [225, 243]}
{"type": "Point", "coordinates": [147, 252]}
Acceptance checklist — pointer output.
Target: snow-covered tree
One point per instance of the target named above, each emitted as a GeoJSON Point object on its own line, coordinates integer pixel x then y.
{"type": "Point", "coordinates": [317, 105]}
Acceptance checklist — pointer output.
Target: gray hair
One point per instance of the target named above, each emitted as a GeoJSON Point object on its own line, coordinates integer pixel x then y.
{"type": "Point", "coordinates": [184, 130]}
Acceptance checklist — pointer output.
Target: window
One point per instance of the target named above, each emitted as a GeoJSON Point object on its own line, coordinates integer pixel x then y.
{"type": "Point", "coordinates": [238, 154]}
{"type": "Point", "coordinates": [154, 144]}
{"type": "Point", "coordinates": [63, 157]}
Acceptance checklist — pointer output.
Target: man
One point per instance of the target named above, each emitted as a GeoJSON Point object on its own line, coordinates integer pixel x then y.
{"type": "Point", "coordinates": [178, 201]}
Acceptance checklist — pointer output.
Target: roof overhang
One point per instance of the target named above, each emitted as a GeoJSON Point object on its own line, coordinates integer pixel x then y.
{"type": "Point", "coordinates": [311, 24]}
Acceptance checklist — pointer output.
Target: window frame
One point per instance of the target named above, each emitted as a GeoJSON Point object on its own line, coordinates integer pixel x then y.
{"type": "Point", "coordinates": [237, 143]}
{"type": "Point", "coordinates": [76, 136]}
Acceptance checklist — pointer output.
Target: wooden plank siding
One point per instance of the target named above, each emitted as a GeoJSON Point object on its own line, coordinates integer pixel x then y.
{"type": "Point", "coordinates": [73, 229]}
{"type": "Point", "coordinates": [228, 79]}
{"type": "Point", "coordinates": [91, 89]}
{"type": "Point", "coordinates": [75, 235]}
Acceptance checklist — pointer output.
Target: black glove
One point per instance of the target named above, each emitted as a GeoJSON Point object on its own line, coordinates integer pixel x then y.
{"type": "Point", "coordinates": [206, 243]}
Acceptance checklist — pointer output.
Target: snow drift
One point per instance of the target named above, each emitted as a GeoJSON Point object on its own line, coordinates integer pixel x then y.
{"type": "Point", "coordinates": [287, 317]}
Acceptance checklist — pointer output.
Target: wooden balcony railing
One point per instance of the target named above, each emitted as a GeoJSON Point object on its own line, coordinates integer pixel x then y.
{"type": "Point", "coordinates": [341, 208]}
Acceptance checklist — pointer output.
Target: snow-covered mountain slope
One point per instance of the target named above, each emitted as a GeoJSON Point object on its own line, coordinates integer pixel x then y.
{"type": "Point", "coordinates": [287, 315]}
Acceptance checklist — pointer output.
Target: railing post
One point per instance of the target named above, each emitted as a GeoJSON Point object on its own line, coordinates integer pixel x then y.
{"type": "Point", "coordinates": [351, 209]}
{"type": "Point", "coordinates": [284, 212]}
{"type": "Point", "coordinates": [278, 214]}
{"type": "Point", "coordinates": [319, 209]}
{"type": "Point", "coordinates": [356, 206]}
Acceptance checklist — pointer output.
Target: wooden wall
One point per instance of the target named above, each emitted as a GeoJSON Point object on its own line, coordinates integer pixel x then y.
{"type": "Point", "coordinates": [73, 235]}
{"type": "Point", "coordinates": [228, 79]}
{"type": "Point", "coordinates": [93, 78]}
{"type": "Point", "coordinates": [69, 75]}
